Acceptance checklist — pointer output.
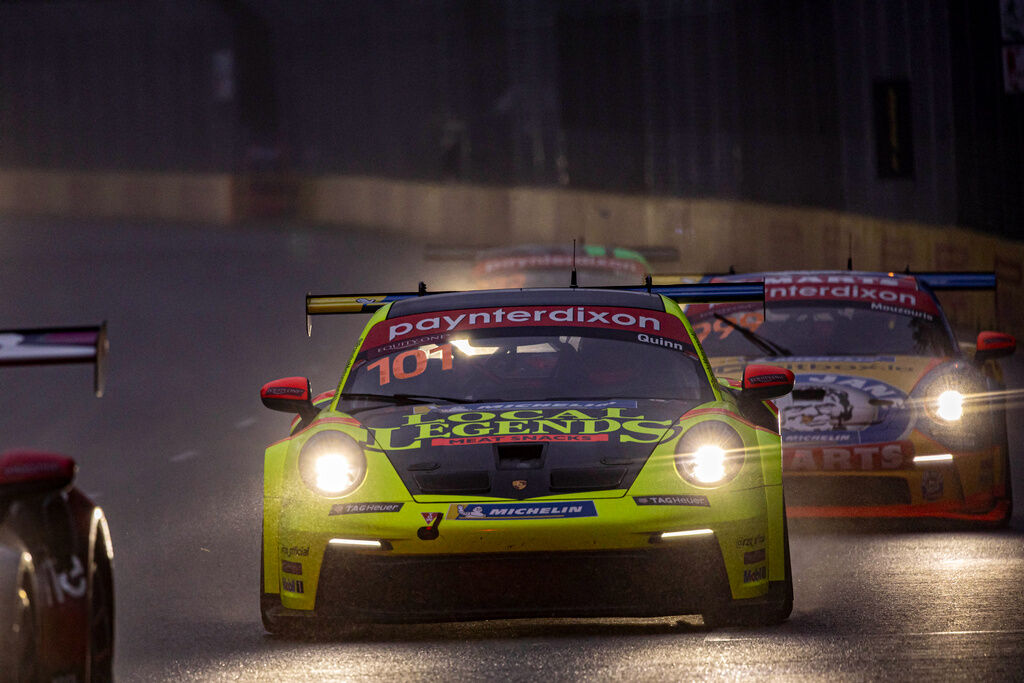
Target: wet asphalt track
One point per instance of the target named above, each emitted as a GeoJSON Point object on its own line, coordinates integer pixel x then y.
{"type": "Point", "coordinates": [200, 318]}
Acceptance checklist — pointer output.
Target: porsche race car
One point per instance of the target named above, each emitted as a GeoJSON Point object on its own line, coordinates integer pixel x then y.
{"type": "Point", "coordinates": [526, 453]}
{"type": "Point", "coordinates": [56, 557]}
{"type": "Point", "coordinates": [888, 417]}
{"type": "Point", "coordinates": [546, 265]}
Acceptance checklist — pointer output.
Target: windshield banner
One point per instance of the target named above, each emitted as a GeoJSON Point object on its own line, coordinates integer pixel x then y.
{"type": "Point", "coordinates": [656, 327]}
{"type": "Point", "coordinates": [895, 294]}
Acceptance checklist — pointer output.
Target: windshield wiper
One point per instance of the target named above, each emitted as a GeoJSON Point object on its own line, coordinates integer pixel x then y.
{"type": "Point", "coordinates": [401, 399]}
{"type": "Point", "coordinates": [766, 345]}
{"type": "Point", "coordinates": [597, 399]}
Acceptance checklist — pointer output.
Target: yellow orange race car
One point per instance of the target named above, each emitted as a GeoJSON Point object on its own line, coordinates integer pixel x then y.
{"type": "Point", "coordinates": [888, 418]}
{"type": "Point", "coordinates": [526, 453]}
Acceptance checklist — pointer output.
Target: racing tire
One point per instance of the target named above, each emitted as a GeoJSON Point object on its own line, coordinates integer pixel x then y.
{"type": "Point", "coordinates": [1006, 498]}
{"type": "Point", "coordinates": [100, 657]}
{"type": "Point", "coordinates": [774, 608]}
{"type": "Point", "coordinates": [19, 658]}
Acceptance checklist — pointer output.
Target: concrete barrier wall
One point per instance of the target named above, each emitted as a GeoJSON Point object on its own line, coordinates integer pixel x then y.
{"type": "Point", "coordinates": [203, 198]}
{"type": "Point", "coordinates": [711, 235]}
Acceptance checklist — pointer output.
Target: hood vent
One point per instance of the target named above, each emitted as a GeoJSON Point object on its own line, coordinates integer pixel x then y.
{"type": "Point", "coordinates": [529, 456]}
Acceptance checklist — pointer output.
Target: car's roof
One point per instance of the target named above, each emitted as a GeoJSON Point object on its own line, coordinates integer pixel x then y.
{"type": "Point", "coordinates": [563, 296]}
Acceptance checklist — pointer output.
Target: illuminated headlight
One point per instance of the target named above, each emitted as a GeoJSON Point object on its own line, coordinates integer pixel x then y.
{"type": "Point", "coordinates": [950, 405]}
{"type": "Point", "coordinates": [332, 464]}
{"type": "Point", "coordinates": [709, 454]}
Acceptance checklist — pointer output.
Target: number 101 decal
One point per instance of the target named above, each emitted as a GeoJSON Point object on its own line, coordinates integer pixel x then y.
{"type": "Point", "coordinates": [398, 366]}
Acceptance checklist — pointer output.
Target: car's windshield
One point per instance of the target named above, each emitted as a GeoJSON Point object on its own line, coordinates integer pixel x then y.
{"type": "Point", "coordinates": [520, 364]}
{"type": "Point", "coordinates": [806, 329]}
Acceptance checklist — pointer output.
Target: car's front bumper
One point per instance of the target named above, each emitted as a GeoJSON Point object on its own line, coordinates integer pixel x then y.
{"type": "Point", "coordinates": [613, 563]}
{"type": "Point", "coordinates": [964, 486]}
{"type": "Point", "coordinates": [672, 579]}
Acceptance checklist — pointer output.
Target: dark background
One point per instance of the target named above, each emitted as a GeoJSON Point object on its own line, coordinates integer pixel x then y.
{"type": "Point", "coordinates": [771, 101]}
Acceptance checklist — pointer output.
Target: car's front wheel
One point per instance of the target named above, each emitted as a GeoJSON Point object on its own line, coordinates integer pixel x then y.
{"type": "Point", "coordinates": [100, 663]}
{"type": "Point", "coordinates": [1006, 500]}
{"type": "Point", "coordinates": [22, 642]}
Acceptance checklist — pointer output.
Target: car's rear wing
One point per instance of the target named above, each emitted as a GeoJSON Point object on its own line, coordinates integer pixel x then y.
{"type": "Point", "coordinates": [58, 345]}
{"type": "Point", "coordinates": [703, 293]}
{"type": "Point", "coordinates": [937, 281]}
{"type": "Point", "coordinates": [448, 252]}
{"type": "Point", "coordinates": [953, 281]}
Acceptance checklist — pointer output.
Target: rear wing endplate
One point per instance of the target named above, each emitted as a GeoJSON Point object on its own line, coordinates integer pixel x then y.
{"type": "Point", "coordinates": [702, 293]}
{"type": "Point", "coordinates": [58, 345]}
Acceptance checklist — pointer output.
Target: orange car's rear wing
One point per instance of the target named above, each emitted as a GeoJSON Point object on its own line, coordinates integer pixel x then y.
{"type": "Point", "coordinates": [952, 281]}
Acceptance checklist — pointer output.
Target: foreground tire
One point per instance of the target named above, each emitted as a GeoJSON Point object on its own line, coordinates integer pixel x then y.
{"type": "Point", "coordinates": [19, 630]}
{"type": "Point", "coordinates": [287, 627]}
{"type": "Point", "coordinates": [100, 663]}
{"type": "Point", "coordinates": [774, 608]}
{"type": "Point", "coordinates": [22, 645]}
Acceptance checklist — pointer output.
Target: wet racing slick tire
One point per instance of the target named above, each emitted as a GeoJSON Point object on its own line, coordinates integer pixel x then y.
{"type": "Point", "coordinates": [100, 660]}
{"type": "Point", "coordinates": [19, 630]}
{"type": "Point", "coordinates": [22, 646]}
{"type": "Point", "coordinates": [1007, 497]}
{"type": "Point", "coordinates": [1004, 499]}
{"type": "Point", "coordinates": [774, 608]}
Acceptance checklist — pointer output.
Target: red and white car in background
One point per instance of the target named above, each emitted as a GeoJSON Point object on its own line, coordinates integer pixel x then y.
{"type": "Point", "coordinates": [56, 557]}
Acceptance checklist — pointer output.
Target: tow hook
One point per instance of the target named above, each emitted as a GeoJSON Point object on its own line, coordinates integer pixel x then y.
{"type": "Point", "coordinates": [429, 533]}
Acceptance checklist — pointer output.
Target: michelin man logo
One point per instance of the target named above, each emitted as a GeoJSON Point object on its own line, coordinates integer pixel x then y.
{"type": "Point", "coordinates": [844, 409]}
{"type": "Point", "coordinates": [830, 414]}
{"type": "Point", "coordinates": [476, 512]}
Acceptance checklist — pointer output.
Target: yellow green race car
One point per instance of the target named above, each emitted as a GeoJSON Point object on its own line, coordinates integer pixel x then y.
{"type": "Point", "coordinates": [526, 453]}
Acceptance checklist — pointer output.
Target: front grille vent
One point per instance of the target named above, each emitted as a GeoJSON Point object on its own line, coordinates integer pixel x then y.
{"type": "Point", "coordinates": [573, 479]}
{"type": "Point", "coordinates": [454, 482]}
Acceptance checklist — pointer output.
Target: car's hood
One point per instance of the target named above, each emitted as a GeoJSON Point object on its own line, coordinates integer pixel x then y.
{"type": "Point", "coordinates": [522, 449]}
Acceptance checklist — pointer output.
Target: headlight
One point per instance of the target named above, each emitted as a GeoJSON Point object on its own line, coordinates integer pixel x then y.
{"type": "Point", "coordinates": [950, 405]}
{"type": "Point", "coordinates": [332, 464]}
{"type": "Point", "coordinates": [709, 454]}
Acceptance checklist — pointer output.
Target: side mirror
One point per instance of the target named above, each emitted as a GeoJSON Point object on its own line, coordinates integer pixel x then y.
{"type": "Point", "coordinates": [289, 395]}
{"type": "Point", "coordinates": [992, 345]}
{"type": "Point", "coordinates": [24, 473]}
{"type": "Point", "coordinates": [765, 382]}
